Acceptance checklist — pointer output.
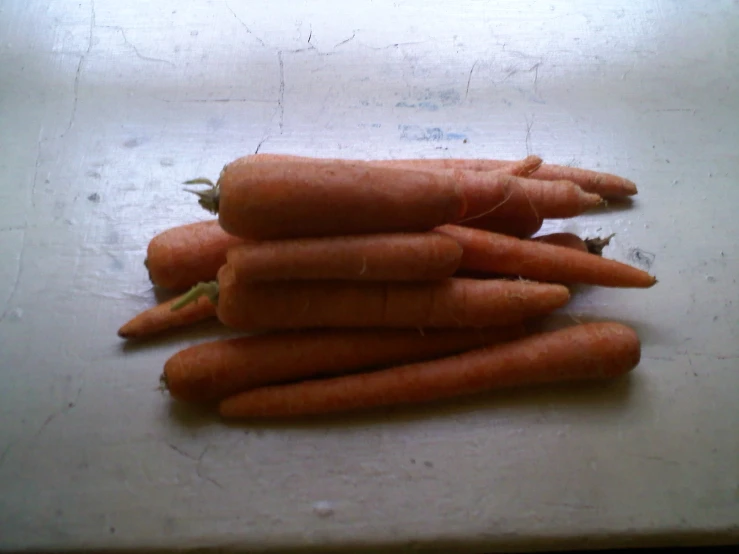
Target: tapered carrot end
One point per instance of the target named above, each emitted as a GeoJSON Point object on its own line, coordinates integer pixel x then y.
{"type": "Point", "coordinates": [590, 200]}
{"type": "Point", "coordinates": [127, 331]}
{"type": "Point", "coordinates": [629, 187]}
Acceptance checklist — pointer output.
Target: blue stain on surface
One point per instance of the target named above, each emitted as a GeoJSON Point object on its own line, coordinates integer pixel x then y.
{"type": "Point", "coordinates": [431, 134]}
{"type": "Point", "coordinates": [430, 106]}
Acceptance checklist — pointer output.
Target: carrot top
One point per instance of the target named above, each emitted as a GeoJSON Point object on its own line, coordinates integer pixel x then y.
{"type": "Point", "coordinates": [209, 289]}
{"type": "Point", "coordinates": [208, 198]}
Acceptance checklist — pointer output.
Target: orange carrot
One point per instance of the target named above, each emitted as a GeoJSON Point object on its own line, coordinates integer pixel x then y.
{"type": "Point", "coordinates": [568, 240]}
{"type": "Point", "coordinates": [385, 257]}
{"type": "Point", "coordinates": [315, 304]}
{"type": "Point", "coordinates": [162, 318]}
{"type": "Point", "coordinates": [602, 184]}
{"type": "Point", "coordinates": [500, 254]}
{"type": "Point", "coordinates": [182, 256]}
{"type": "Point", "coordinates": [520, 168]}
{"type": "Point", "coordinates": [292, 199]}
{"type": "Point", "coordinates": [215, 370]}
{"type": "Point", "coordinates": [590, 351]}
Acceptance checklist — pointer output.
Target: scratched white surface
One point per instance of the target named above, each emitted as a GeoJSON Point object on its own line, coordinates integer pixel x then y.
{"type": "Point", "coordinates": [105, 107]}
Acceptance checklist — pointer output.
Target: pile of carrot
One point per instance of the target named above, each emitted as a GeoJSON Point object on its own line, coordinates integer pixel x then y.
{"type": "Point", "coordinates": [360, 284]}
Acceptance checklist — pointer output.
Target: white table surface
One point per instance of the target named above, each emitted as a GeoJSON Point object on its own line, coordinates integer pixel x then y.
{"type": "Point", "coordinates": [106, 106]}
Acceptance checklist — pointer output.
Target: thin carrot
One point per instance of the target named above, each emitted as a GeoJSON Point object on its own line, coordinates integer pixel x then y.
{"type": "Point", "coordinates": [320, 304]}
{"type": "Point", "coordinates": [520, 168]}
{"type": "Point", "coordinates": [590, 351]}
{"type": "Point", "coordinates": [603, 184]}
{"type": "Point", "coordinates": [568, 240]}
{"type": "Point", "coordinates": [500, 254]}
{"type": "Point", "coordinates": [384, 257]}
{"type": "Point", "coordinates": [162, 318]}
{"type": "Point", "coordinates": [217, 369]}
{"type": "Point", "coordinates": [182, 256]}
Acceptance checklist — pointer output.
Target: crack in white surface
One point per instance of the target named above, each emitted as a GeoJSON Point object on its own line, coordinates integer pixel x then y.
{"type": "Point", "coordinates": [246, 27]}
{"type": "Point", "coordinates": [139, 54]}
{"type": "Point", "coordinates": [16, 282]}
{"type": "Point", "coordinates": [281, 92]}
{"type": "Point", "coordinates": [199, 463]}
{"type": "Point", "coordinates": [343, 42]}
{"type": "Point", "coordinates": [77, 73]}
{"type": "Point", "coordinates": [469, 79]}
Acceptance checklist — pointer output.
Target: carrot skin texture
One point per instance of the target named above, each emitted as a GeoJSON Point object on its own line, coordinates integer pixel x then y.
{"type": "Point", "coordinates": [584, 352]}
{"type": "Point", "coordinates": [568, 240]}
{"type": "Point", "coordinates": [309, 199]}
{"type": "Point", "coordinates": [500, 254]}
{"type": "Point", "coordinates": [603, 184]}
{"type": "Point", "coordinates": [384, 257]}
{"type": "Point", "coordinates": [558, 199]}
{"type": "Point", "coordinates": [182, 256]}
{"type": "Point", "coordinates": [214, 370]}
{"type": "Point", "coordinates": [342, 304]}
{"type": "Point", "coordinates": [522, 167]}
{"type": "Point", "coordinates": [161, 318]}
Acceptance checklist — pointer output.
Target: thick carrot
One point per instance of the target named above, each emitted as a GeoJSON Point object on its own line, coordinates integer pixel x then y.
{"type": "Point", "coordinates": [215, 370]}
{"type": "Point", "coordinates": [500, 254]}
{"type": "Point", "coordinates": [384, 257]}
{"type": "Point", "coordinates": [182, 256]}
{"type": "Point", "coordinates": [316, 304]}
{"type": "Point", "coordinates": [558, 199]}
{"type": "Point", "coordinates": [568, 240]}
{"type": "Point", "coordinates": [590, 351]}
{"type": "Point", "coordinates": [292, 199]}
{"type": "Point", "coordinates": [162, 318]}
{"type": "Point", "coordinates": [602, 184]}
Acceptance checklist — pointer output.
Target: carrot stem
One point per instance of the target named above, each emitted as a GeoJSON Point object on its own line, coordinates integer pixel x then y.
{"type": "Point", "coordinates": [201, 289]}
{"type": "Point", "coordinates": [597, 244]}
{"type": "Point", "coordinates": [209, 198]}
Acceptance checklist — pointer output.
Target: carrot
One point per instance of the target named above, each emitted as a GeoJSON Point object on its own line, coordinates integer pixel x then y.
{"type": "Point", "coordinates": [162, 318]}
{"type": "Point", "coordinates": [292, 199]}
{"type": "Point", "coordinates": [520, 168]}
{"type": "Point", "coordinates": [274, 200]}
{"type": "Point", "coordinates": [549, 199]}
{"type": "Point", "coordinates": [315, 304]}
{"type": "Point", "coordinates": [590, 351]}
{"type": "Point", "coordinates": [386, 257]}
{"type": "Point", "coordinates": [217, 369]}
{"type": "Point", "coordinates": [182, 256]}
{"type": "Point", "coordinates": [603, 184]}
{"type": "Point", "coordinates": [568, 240]}
{"type": "Point", "coordinates": [500, 254]}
